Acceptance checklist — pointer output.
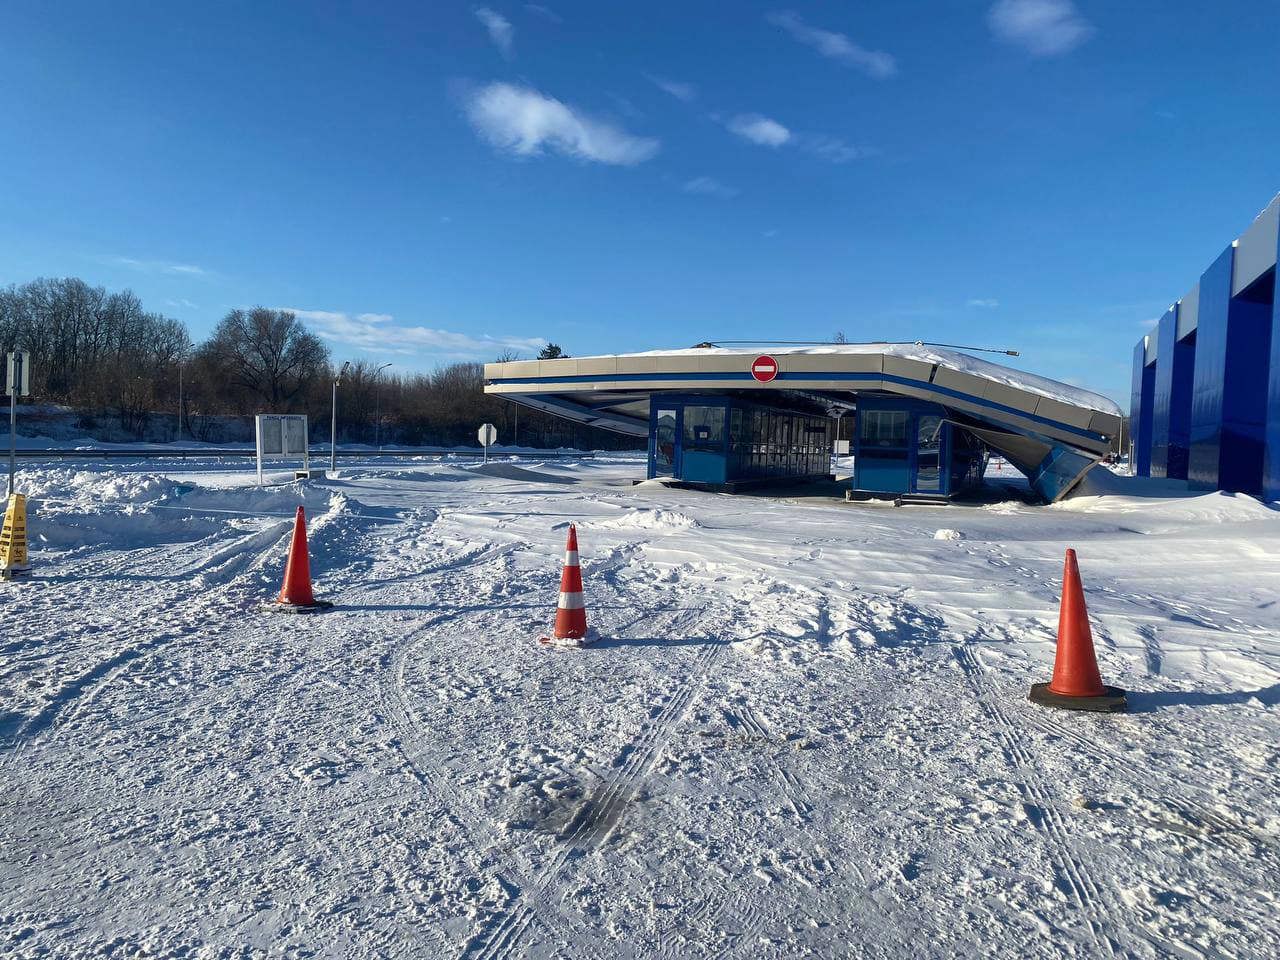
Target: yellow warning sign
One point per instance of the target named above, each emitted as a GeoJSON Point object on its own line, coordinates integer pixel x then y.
{"type": "Point", "coordinates": [13, 537]}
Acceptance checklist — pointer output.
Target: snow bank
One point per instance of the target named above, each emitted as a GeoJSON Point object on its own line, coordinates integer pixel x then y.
{"type": "Point", "coordinates": [78, 508]}
{"type": "Point", "coordinates": [644, 519]}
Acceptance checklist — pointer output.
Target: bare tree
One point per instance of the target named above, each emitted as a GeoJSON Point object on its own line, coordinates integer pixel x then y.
{"type": "Point", "coordinates": [267, 354]}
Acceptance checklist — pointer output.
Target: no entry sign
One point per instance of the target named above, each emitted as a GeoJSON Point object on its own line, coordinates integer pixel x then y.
{"type": "Point", "coordinates": [764, 368]}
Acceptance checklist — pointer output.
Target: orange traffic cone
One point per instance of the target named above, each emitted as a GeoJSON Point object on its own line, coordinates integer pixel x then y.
{"type": "Point", "coordinates": [571, 613]}
{"type": "Point", "coordinates": [295, 593]}
{"type": "Point", "coordinates": [1076, 683]}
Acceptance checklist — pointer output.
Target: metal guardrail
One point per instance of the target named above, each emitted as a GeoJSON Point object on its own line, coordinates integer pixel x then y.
{"type": "Point", "coordinates": [213, 453]}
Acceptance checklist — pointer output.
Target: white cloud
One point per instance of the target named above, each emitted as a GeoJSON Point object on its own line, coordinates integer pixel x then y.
{"type": "Point", "coordinates": [677, 89]}
{"type": "Point", "coordinates": [1042, 27]}
{"type": "Point", "coordinates": [758, 129]}
{"type": "Point", "coordinates": [157, 266]}
{"type": "Point", "coordinates": [523, 121]}
{"type": "Point", "coordinates": [546, 13]}
{"type": "Point", "coordinates": [832, 149]}
{"type": "Point", "coordinates": [181, 302]}
{"type": "Point", "coordinates": [770, 133]}
{"type": "Point", "coordinates": [709, 187]}
{"type": "Point", "coordinates": [500, 30]}
{"type": "Point", "coordinates": [836, 46]}
{"type": "Point", "coordinates": [379, 332]}
{"type": "Point", "coordinates": [984, 302]}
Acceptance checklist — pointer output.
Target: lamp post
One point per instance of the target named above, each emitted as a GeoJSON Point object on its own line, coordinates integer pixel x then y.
{"type": "Point", "coordinates": [377, 406]}
{"type": "Point", "coordinates": [333, 420]}
{"type": "Point", "coordinates": [177, 436]}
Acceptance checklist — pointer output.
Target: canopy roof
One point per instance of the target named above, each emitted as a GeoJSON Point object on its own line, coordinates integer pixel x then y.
{"type": "Point", "coordinates": [1038, 423]}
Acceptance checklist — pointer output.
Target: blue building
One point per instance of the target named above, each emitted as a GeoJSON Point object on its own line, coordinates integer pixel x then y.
{"type": "Point", "coordinates": [924, 419]}
{"type": "Point", "coordinates": [1205, 402]}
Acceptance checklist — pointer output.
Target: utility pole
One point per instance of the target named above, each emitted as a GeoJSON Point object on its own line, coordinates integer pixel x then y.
{"type": "Point", "coordinates": [377, 406]}
{"type": "Point", "coordinates": [333, 419]}
{"type": "Point", "coordinates": [177, 436]}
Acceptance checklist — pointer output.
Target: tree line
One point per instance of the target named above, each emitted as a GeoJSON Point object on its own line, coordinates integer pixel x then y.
{"type": "Point", "coordinates": [118, 365]}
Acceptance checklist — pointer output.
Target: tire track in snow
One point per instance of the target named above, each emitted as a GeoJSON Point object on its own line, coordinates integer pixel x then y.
{"type": "Point", "coordinates": [600, 814]}
{"type": "Point", "coordinates": [172, 615]}
{"type": "Point", "coordinates": [1218, 825]}
{"type": "Point", "coordinates": [1084, 890]}
{"type": "Point", "coordinates": [434, 778]}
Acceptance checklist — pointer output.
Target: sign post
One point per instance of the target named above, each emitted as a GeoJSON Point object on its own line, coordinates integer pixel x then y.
{"type": "Point", "coordinates": [18, 382]}
{"type": "Point", "coordinates": [487, 435]}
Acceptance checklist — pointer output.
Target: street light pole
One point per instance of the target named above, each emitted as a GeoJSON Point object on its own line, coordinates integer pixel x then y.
{"type": "Point", "coordinates": [377, 406]}
{"type": "Point", "coordinates": [177, 437]}
{"type": "Point", "coordinates": [333, 420]}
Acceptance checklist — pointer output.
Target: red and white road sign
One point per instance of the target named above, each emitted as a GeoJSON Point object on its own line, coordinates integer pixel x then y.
{"type": "Point", "coordinates": [764, 368]}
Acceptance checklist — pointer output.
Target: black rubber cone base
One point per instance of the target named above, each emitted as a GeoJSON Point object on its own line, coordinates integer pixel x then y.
{"type": "Point", "coordinates": [320, 606]}
{"type": "Point", "coordinates": [1111, 701]}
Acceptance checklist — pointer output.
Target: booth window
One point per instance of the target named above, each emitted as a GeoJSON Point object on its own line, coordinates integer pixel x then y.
{"type": "Point", "coordinates": [884, 428]}
{"type": "Point", "coordinates": [704, 428]}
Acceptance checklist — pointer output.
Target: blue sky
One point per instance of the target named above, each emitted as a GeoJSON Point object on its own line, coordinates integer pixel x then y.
{"type": "Point", "coordinates": [430, 181]}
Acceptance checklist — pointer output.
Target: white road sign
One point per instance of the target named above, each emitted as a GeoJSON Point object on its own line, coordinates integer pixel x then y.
{"type": "Point", "coordinates": [18, 377]}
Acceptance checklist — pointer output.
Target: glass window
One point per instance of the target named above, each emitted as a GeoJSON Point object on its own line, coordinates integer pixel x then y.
{"type": "Point", "coordinates": [703, 428]}
{"type": "Point", "coordinates": [664, 442]}
{"type": "Point", "coordinates": [884, 428]}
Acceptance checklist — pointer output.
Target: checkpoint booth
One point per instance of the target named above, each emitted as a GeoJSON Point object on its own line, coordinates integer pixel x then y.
{"type": "Point", "coordinates": [925, 419]}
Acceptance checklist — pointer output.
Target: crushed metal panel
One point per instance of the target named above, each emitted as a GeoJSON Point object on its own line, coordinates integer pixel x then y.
{"type": "Point", "coordinates": [1011, 397]}
{"type": "Point", "coordinates": [911, 369]}
{"type": "Point", "coordinates": [1063, 413]}
{"type": "Point", "coordinates": [964, 382]}
{"type": "Point", "coordinates": [1105, 423]}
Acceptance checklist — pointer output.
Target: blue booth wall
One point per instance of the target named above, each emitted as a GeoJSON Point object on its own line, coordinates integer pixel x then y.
{"type": "Point", "coordinates": [893, 452]}
{"type": "Point", "coordinates": [714, 440]}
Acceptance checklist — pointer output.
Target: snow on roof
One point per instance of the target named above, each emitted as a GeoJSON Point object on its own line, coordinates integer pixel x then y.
{"type": "Point", "coordinates": [952, 359]}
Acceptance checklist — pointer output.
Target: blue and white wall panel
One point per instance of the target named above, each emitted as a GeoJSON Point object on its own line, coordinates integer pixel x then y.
{"type": "Point", "coordinates": [1228, 408]}
{"type": "Point", "coordinates": [1140, 403]}
{"type": "Point", "coordinates": [1171, 401]}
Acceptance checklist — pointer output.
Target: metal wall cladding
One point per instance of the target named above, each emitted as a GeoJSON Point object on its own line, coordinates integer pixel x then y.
{"type": "Point", "coordinates": [1171, 402]}
{"type": "Point", "coordinates": [1244, 420]}
{"type": "Point", "coordinates": [1140, 410]}
{"type": "Point", "coordinates": [1256, 249]}
{"type": "Point", "coordinates": [1229, 393]}
{"type": "Point", "coordinates": [1271, 456]}
{"type": "Point", "coordinates": [1210, 379]}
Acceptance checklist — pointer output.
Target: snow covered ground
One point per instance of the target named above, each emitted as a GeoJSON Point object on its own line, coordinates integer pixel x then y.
{"type": "Point", "coordinates": [804, 733]}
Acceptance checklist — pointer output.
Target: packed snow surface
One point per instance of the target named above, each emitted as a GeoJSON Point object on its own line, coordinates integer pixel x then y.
{"type": "Point", "coordinates": [803, 729]}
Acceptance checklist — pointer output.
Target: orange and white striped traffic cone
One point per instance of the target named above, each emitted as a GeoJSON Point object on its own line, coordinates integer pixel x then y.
{"type": "Point", "coordinates": [571, 613]}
